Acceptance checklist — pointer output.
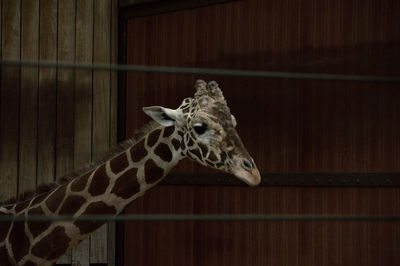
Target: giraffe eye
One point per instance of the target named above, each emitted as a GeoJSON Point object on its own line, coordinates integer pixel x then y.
{"type": "Point", "coordinates": [200, 128]}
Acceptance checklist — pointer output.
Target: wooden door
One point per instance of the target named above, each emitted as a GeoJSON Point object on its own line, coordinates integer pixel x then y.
{"type": "Point", "coordinates": [289, 126]}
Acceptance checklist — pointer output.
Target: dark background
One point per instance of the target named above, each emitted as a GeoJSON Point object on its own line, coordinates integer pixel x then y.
{"type": "Point", "coordinates": [290, 127]}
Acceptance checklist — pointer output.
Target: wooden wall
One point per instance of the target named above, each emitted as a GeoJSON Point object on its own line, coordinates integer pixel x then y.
{"type": "Point", "coordinates": [330, 243]}
{"type": "Point", "coordinates": [55, 120]}
{"type": "Point", "coordinates": [289, 126]}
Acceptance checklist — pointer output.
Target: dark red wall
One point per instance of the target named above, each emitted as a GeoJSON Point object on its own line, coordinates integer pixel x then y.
{"type": "Point", "coordinates": [289, 126]}
{"type": "Point", "coordinates": [264, 243]}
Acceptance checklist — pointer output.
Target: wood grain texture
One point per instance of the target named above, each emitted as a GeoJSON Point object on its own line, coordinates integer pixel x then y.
{"type": "Point", "coordinates": [83, 104]}
{"type": "Point", "coordinates": [47, 114]}
{"type": "Point", "coordinates": [9, 99]}
{"type": "Point", "coordinates": [65, 88]}
{"type": "Point", "coordinates": [28, 98]}
{"type": "Point", "coordinates": [114, 74]}
{"type": "Point", "coordinates": [111, 236]}
{"type": "Point", "coordinates": [65, 95]}
{"type": "Point", "coordinates": [47, 94]}
{"type": "Point", "coordinates": [289, 126]}
{"type": "Point", "coordinates": [264, 243]}
{"type": "Point", "coordinates": [101, 109]}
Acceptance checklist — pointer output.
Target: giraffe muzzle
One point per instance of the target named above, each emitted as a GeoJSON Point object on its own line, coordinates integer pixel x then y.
{"type": "Point", "coordinates": [246, 170]}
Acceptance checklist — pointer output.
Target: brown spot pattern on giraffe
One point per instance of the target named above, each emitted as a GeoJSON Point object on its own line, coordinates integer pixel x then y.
{"type": "Point", "coordinates": [203, 148]}
{"type": "Point", "coordinates": [19, 241]}
{"type": "Point", "coordinates": [190, 155]}
{"type": "Point", "coordinates": [56, 198]}
{"type": "Point", "coordinates": [98, 207]}
{"type": "Point", "coordinates": [126, 185]}
{"type": "Point", "coordinates": [80, 183]}
{"type": "Point", "coordinates": [119, 163]}
{"type": "Point", "coordinates": [164, 152]}
{"type": "Point", "coordinates": [4, 257]}
{"type": "Point", "coordinates": [100, 181]}
{"type": "Point", "coordinates": [183, 144]}
{"type": "Point", "coordinates": [186, 110]}
{"type": "Point", "coordinates": [212, 157]}
{"type": "Point", "coordinates": [36, 228]}
{"type": "Point", "coordinates": [196, 152]}
{"type": "Point", "coordinates": [220, 164]}
{"type": "Point", "coordinates": [21, 206]}
{"type": "Point", "coordinates": [176, 143]}
{"type": "Point", "coordinates": [168, 131]}
{"type": "Point", "coordinates": [152, 172]}
{"type": "Point", "coordinates": [39, 199]}
{"type": "Point", "coordinates": [153, 137]}
{"type": "Point", "coordinates": [210, 163]}
{"type": "Point", "coordinates": [4, 228]}
{"type": "Point", "coordinates": [72, 204]}
{"type": "Point", "coordinates": [138, 152]}
{"type": "Point", "coordinates": [29, 263]}
{"type": "Point", "coordinates": [53, 245]}
{"type": "Point", "coordinates": [191, 142]}
{"type": "Point", "coordinates": [223, 156]}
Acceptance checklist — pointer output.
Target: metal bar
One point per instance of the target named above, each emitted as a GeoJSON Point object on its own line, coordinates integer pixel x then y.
{"type": "Point", "coordinates": [289, 179]}
{"type": "Point", "coordinates": [203, 71]}
{"type": "Point", "coordinates": [199, 217]}
{"type": "Point", "coordinates": [150, 7]}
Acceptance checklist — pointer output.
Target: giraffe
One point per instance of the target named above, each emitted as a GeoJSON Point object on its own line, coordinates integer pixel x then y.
{"type": "Point", "coordinates": [201, 128]}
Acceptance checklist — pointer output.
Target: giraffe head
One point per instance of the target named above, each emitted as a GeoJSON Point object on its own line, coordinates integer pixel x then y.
{"type": "Point", "coordinates": [207, 132]}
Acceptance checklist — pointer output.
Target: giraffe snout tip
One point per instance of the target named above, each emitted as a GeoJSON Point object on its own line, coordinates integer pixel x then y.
{"type": "Point", "coordinates": [247, 172]}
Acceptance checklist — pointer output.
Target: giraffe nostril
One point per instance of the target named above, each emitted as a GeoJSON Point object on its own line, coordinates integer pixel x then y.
{"type": "Point", "coordinates": [247, 164]}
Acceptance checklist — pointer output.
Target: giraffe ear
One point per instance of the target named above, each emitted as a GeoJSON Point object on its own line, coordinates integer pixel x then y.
{"type": "Point", "coordinates": [164, 116]}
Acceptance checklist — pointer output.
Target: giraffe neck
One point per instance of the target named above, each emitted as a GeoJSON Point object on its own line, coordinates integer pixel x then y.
{"type": "Point", "coordinates": [106, 189]}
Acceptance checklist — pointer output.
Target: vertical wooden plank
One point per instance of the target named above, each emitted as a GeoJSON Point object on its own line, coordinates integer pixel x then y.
{"type": "Point", "coordinates": [1, 43]}
{"type": "Point", "coordinates": [83, 103]}
{"type": "Point", "coordinates": [101, 109]}
{"type": "Point", "coordinates": [65, 87]}
{"type": "Point", "coordinates": [113, 115]}
{"type": "Point", "coordinates": [29, 90]}
{"type": "Point", "coordinates": [1, 31]}
{"type": "Point", "coordinates": [114, 74]}
{"type": "Point", "coordinates": [1, 70]}
{"type": "Point", "coordinates": [47, 92]}
{"type": "Point", "coordinates": [135, 27]}
{"type": "Point", "coordinates": [9, 99]}
{"type": "Point", "coordinates": [65, 95]}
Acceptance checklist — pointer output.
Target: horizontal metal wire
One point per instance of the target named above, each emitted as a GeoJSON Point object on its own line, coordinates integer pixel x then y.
{"type": "Point", "coordinates": [199, 71]}
{"type": "Point", "coordinates": [201, 217]}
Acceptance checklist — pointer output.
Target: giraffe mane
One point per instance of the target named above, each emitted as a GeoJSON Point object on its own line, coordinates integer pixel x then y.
{"type": "Point", "coordinates": [114, 151]}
